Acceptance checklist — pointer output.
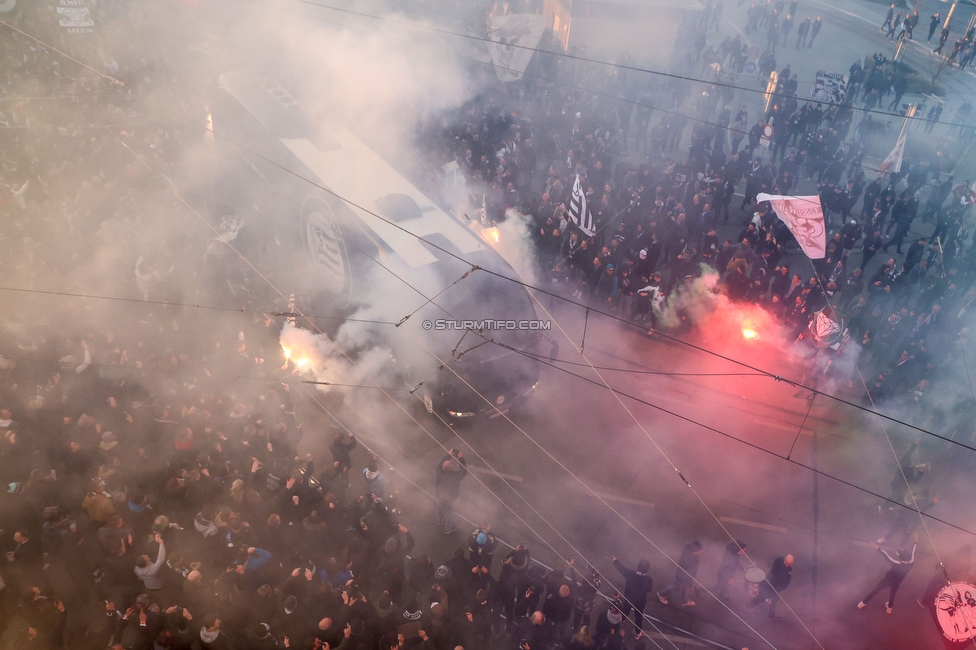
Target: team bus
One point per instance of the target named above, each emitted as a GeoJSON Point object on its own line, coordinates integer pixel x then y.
{"type": "Point", "coordinates": [350, 261]}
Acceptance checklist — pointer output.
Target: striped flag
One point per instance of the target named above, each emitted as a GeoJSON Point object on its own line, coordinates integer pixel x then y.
{"type": "Point", "coordinates": [483, 212]}
{"type": "Point", "coordinates": [578, 212]}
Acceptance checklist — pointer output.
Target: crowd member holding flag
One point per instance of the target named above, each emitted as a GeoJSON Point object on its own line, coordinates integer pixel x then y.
{"type": "Point", "coordinates": [578, 211]}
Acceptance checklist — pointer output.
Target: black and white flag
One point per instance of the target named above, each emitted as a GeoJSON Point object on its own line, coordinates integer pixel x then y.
{"type": "Point", "coordinates": [578, 212]}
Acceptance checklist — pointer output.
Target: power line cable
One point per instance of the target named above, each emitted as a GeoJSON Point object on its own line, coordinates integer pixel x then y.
{"type": "Point", "coordinates": [381, 388]}
{"type": "Point", "coordinates": [554, 458]}
{"type": "Point", "coordinates": [747, 443]}
{"type": "Point", "coordinates": [557, 296]}
{"type": "Point", "coordinates": [577, 58]}
{"type": "Point", "coordinates": [166, 303]}
{"type": "Point", "coordinates": [583, 484]}
{"type": "Point", "coordinates": [669, 461]}
{"type": "Point", "coordinates": [632, 371]}
{"type": "Point", "coordinates": [444, 364]}
{"type": "Point", "coordinates": [726, 127]}
{"type": "Point", "coordinates": [65, 55]}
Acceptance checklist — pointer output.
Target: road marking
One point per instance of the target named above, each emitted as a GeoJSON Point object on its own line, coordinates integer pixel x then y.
{"type": "Point", "coordinates": [753, 524]}
{"type": "Point", "coordinates": [491, 472]}
{"type": "Point", "coordinates": [852, 15]}
{"type": "Point", "coordinates": [633, 502]}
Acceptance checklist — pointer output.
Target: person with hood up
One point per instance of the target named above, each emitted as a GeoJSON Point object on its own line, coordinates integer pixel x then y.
{"type": "Point", "coordinates": [608, 631]}
{"type": "Point", "coordinates": [211, 638]}
{"type": "Point", "coordinates": [637, 586]}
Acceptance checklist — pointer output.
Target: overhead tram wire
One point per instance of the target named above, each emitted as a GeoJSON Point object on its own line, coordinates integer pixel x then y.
{"type": "Point", "coordinates": [663, 454]}
{"type": "Point", "coordinates": [582, 59]}
{"type": "Point", "coordinates": [115, 81]}
{"type": "Point", "coordinates": [725, 127]}
{"type": "Point", "coordinates": [557, 296]}
{"type": "Point", "coordinates": [444, 364]}
{"type": "Point", "coordinates": [167, 303]}
{"type": "Point", "coordinates": [634, 371]}
{"type": "Point", "coordinates": [589, 489]}
{"type": "Point", "coordinates": [586, 487]}
{"type": "Point", "coordinates": [551, 363]}
{"type": "Point", "coordinates": [484, 398]}
{"type": "Point", "coordinates": [725, 434]}
{"type": "Point", "coordinates": [354, 363]}
{"type": "Point", "coordinates": [911, 492]}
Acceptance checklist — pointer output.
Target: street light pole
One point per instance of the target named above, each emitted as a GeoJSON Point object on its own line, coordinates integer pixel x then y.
{"type": "Point", "coordinates": [949, 15]}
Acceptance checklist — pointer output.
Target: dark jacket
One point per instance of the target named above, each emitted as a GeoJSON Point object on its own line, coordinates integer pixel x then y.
{"type": "Point", "coordinates": [637, 585]}
{"type": "Point", "coordinates": [780, 575]}
{"type": "Point", "coordinates": [448, 483]}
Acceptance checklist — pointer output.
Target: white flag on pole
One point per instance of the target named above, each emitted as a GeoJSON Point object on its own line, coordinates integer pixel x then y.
{"type": "Point", "coordinates": [893, 162]}
{"type": "Point", "coordinates": [804, 216]}
{"type": "Point", "coordinates": [579, 213]}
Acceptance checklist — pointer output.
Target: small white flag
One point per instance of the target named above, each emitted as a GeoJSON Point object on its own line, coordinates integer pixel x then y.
{"type": "Point", "coordinates": [893, 162]}
{"type": "Point", "coordinates": [804, 216]}
{"type": "Point", "coordinates": [579, 213]}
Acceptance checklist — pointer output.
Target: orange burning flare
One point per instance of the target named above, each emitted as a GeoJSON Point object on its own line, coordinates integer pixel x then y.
{"type": "Point", "coordinates": [748, 333]}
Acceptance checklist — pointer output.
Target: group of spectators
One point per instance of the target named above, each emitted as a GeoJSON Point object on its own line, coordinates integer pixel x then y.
{"type": "Point", "coordinates": [154, 495]}
{"type": "Point", "coordinates": [658, 218]}
{"type": "Point", "coordinates": [155, 499]}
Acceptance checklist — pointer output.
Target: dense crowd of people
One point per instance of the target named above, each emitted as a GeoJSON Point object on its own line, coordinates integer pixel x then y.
{"type": "Point", "coordinates": [154, 493]}
{"type": "Point", "coordinates": [658, 214]}
{"type": "Point", "coordinates": [154, 499]}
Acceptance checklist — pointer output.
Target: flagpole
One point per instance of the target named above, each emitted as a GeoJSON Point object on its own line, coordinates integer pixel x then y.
{"type": "Point", "coordinates": [897, 154]}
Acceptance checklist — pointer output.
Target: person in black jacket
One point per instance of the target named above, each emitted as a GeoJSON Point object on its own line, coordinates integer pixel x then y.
{"type": "Point", "coordinates": [451, 470]}
{"type": "Point", "coordinates": [608, 632]}
{"type": "Point", "coordinates": [731, 564]}
{"type": "Point", "coordinates": [776, 581]}
{"type": "Point", "coordinates": [684, 576]}
{"type": "Point", "coordinates": [901, 564]}
{"type": "Point", "coordinates": [636, 587]}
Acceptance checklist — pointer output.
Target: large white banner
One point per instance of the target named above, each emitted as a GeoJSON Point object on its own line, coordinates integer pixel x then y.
{"type": "Point", "coordinates": [804, 216]}
{"type": "Point", "coordinates": [513, 42]}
